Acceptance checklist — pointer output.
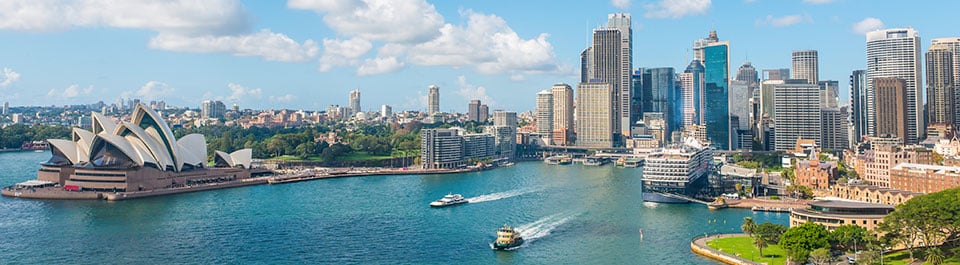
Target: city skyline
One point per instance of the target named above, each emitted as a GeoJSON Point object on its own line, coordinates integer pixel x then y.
{"type": "Point", "coordinates": [308, 55]}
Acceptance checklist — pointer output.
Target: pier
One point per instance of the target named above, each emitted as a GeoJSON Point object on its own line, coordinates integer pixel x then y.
{"type": "Point", "coordinates": [681, 197]}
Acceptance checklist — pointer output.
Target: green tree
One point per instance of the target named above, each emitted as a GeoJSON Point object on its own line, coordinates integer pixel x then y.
{"type": "Point", "coordinates": [850, 237]}
{"type": "Point", "coordinates": [821, 256]}
{"type": "Point", "coordinates": [800, 192]}
{"type": "Point", "coordinates": [930, 219]}
{"type": "Point", "coordinates": [747, 226]}
{"type": "Point", "coordinates": [800, 240]}
{"type": "Point", "coordinates": [760, 244]}
{"type": "Point", "coordinates": [869, 257]}
{"type": "Point", "coordinates": [934, 256]}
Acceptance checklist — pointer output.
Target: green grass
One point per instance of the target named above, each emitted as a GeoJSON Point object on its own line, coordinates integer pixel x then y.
{"type": "Point", "coordinates": [903, 258]}
{"type": "Point", "coordinates": [743, 246]}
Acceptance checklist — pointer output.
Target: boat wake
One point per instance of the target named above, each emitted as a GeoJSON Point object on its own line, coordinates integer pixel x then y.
{"type": "Point", "coordinates": [500, 195]}
{"type": "Point", "coordinates": [544, 226]}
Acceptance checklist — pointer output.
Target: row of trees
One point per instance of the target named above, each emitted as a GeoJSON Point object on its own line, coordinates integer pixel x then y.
{"type": "Point", "coordinates": [311, 142]}
{"type": "Point", "coordinates": [15, 135]}
{"type": "Point", "coordinates": [809, 241]}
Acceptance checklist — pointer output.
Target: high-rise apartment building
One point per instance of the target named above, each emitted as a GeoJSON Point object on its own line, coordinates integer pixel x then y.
{"type": "Point", "coordinates": [473, 110]}
{"type": "Point", "coordinates": [433, 99]}
{"type": "Point", "coordinates": [441, 148]}
{"type": "Point", "coordinates": [484, 113]}
{"type": "Point", "coordinates": [691, 84]}
{"type": "Point", "coordinates": [797, 114]}
{"type": "Point", "coordinates": [355, 101]}
{"type": "Point", "coordinates": [859, 105]}
{"type": "Point", "coordinates": [545, 116]}
{"type": "Point", "coordinates": [805, 66]}
{"type": "Point", "coordinates": [212, 109]}
{"type": "Point", "coordinates": [594, 115]}
{"type": "Point", "coordinates": [890, 100]}
{"type": "Point", "coordinates": [386, 111]}
{"type": "Point", "coordinates": [562, 113]}
{"type": "Point", "coordinates": [505, 130]}
{"type": "Point", "coordinates": [6, 108]}
{"type": "Point", "coordinates": [954, 46]}
{"type": "Point", "coordinates": [941, 86]}
{"type": "Point", "coordinates": [896, 53]}
{"type": "Point", "coordinates": [716, 85]}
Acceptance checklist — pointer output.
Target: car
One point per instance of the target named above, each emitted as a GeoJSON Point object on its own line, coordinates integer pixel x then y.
{"type": "Point", "coordinates": [851, 260]}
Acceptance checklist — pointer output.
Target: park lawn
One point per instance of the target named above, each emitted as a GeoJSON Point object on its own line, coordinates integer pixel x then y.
{"type": "Point", "coordinates": [361, 156]}
{"type": "Point", "coordinates": [903, 258]}
{"type": "Point", "coordinates": [743, 246]}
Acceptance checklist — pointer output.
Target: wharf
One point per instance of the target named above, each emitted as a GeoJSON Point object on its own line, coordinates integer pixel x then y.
{"type": "Point", "coordinates": [58, 193]}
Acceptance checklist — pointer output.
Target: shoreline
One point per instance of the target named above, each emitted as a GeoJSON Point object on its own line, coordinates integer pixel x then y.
{"type": "Point", "coordinates": [699, 246]}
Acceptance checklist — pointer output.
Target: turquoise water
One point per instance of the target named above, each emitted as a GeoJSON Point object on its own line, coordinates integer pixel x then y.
{"type": "Point", "coordinates": [569, 215]}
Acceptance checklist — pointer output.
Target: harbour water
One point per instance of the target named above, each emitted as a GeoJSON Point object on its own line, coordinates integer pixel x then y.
{"type": "Point", "coordinates": [568, 214]}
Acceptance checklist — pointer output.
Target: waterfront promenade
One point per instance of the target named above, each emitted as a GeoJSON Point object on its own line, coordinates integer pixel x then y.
{"type": "Point", "coordinates": [699, 245]}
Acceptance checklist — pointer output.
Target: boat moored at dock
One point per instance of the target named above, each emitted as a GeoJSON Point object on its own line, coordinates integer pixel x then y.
{"type": "Point", "coordinates": [680, 169]}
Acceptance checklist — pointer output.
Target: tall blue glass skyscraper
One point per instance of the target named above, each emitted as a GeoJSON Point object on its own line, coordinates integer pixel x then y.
{"type": "Point", "coordinates": [717, 82]}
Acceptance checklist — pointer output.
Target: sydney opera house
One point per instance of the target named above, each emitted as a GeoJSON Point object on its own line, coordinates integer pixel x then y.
{"type": "Point", "coordinates": [139, 155]}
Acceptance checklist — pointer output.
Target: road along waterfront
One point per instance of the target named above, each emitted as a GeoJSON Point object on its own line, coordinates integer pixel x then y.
{"type": "Point", "coordinates": [573, 214]}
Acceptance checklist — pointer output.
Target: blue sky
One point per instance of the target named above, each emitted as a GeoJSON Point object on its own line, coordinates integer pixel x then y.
{"type": "Point", "coordinates": [307, 54]}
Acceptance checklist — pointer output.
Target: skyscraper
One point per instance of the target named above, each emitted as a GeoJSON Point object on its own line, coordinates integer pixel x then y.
{"type": "Point", "coordinates": [545, 116]}
{"type": "Point", "coordinates": [623, 22]}
{"type": "Point", "coordinates": [954, 44]}
{"type": "Point", "coordinates": [473, 110]}
{"type": "Point", "coordinates": [6, 108]}
{"type": "Point", "coordinates": [505, 129]}
{"type": "Point", "coordinates": [659, 95]}
{"type": "Point", "coordinates": [738, 102]}
{"type": "Point", "coordinates": [766, 97]}
{"type": "Point", "coordinates": [859, 105]}
{"type": "Point", "coordinates": [433, 100]}
{"type": "Point", "coordinates": [896, 53]}
{"type": "Point", "coordinates": [717, 81]}
{"type": "Point", "coordinates": [890, 100]}
{"type": "Point", "coordinates": [700, 44]}
{"type": "Point", "coordinates": [586, 65]}
{"type": "Point", "coordinates": [833, 128]}
{"type": "Point", "coordinates": [829, 92]}
{"type": "Point", "coordinates": [691, 82]}
{"type": "Point", "coordinates": [940, 85]}
{"type": "Point", "coordinates": [484, 114]}
{"type": "Point", "coordinates": [797, 114]}
{"type": "Point", "coordinates": [776, 74]}
{"type": "Point", "coordinates": [639, 84]}
{"type": "Point", "coordinates": [748, 73]}
{"type": "Point", "coordinates": [594, 115]}
{"type": "Point", "coordinates": [386, 111]}
{"type": "Point", "coordinates": [355, 101]}
{"type": "Point", "coordinates": [805, 66]}
{"type": "Point", "coordinates": [562, 113]}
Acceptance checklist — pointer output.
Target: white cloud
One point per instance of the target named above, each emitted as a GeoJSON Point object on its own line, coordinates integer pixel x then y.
{"type": "Point", "coordinates": [379, 65]}
{"type": "Point", "coordinates": [239, 92]}
{"type": "Point", "coordinates": [416, 103]}
{"type": "Point", "coordinates": [404, 21]}
{"type": "Point", "coordinates": [269, 45]}
{"type": "Point", "coordinates": [470, 92]}
{"type": "Point", "coordinates": [71, 91]}
{"type": "Point", "coordinates": [181, 25]}
{"type": "Point", "coordinates": [283, 99]}
{"type": "Point", "coordinates": [489, 45]}
{"type": "Point", "coordinates": [676, 8]}
{"type": "Point", "coordinates": [783, 21]}
{"type": "Point", "coordinates": [154, 90]}
{"type": "Point", "coordinates": [817, 2]}
{"type": "Point", "coordinates": [9, 76]}
{"type": "Point", "coordinates": [621, 4]}
{"type": "Point", "coordinates": [338, 52]}
{"type": "Point", "coordinates": [867, 25]}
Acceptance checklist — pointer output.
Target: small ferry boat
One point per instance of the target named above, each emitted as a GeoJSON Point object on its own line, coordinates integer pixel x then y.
{"type": "Point", "coordinates": [507, 238]}
{"type": "Point", "coordinates": [449, 199]}
{"type": "Point", "coordinates": [593, 161]}
{"type": "Point", "coordinates": [633, 162]}
{"type": "Point", "coordinates": [620, 162]}
{"type": "Point", "coordinates": [717, 204]}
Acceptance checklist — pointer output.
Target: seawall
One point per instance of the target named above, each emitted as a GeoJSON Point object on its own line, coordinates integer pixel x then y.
{"type": "Point", "coordinates": [699, 245]}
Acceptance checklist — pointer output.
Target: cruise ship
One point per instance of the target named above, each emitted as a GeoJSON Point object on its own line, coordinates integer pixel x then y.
{"type": "Point", "coordinates": [679, 169]}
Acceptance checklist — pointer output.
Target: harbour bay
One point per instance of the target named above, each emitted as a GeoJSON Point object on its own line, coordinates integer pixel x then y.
{"type": "Point", "coordinates": [569, 214]}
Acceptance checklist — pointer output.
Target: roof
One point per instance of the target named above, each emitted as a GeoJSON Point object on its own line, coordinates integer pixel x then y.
{"type": "Point", "coordinates": [937, 168]}
{"type": "Point", "coordinates": [849, 204]}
